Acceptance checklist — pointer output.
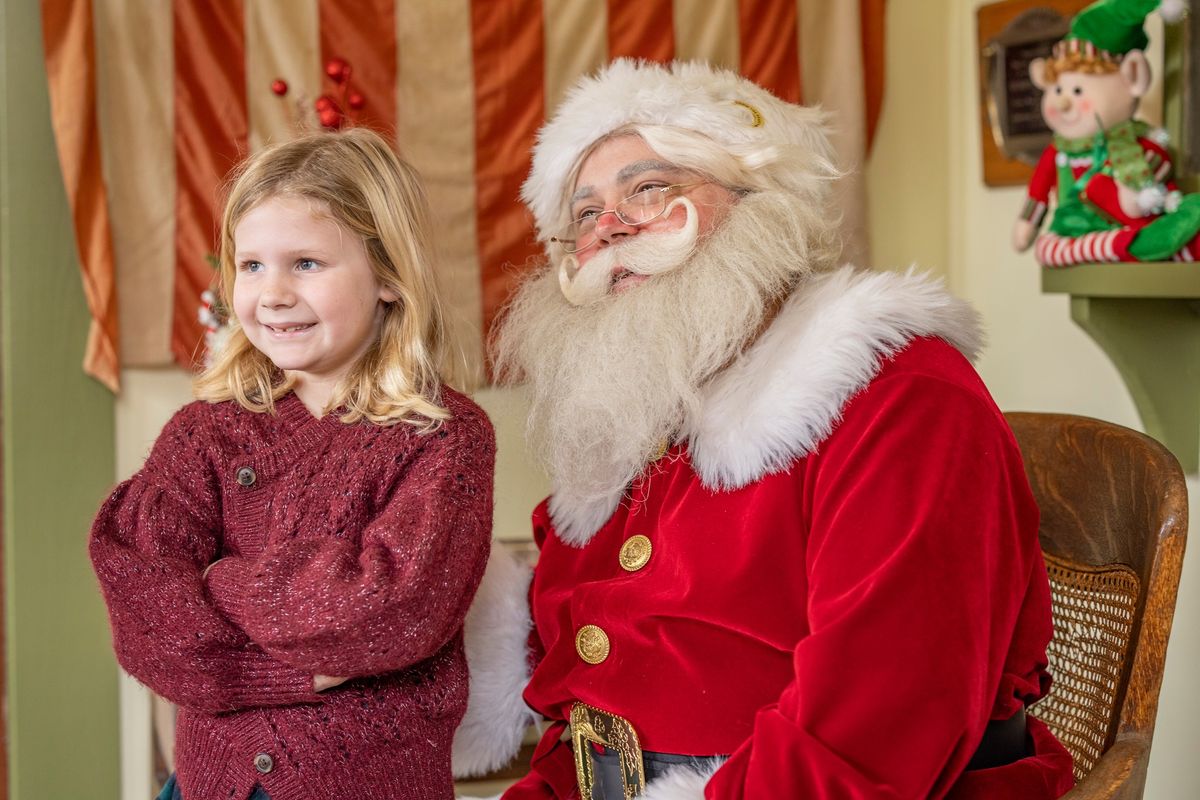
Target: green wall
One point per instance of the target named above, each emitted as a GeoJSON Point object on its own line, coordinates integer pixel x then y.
{"type": "Point", "coordinates": [58, 448]}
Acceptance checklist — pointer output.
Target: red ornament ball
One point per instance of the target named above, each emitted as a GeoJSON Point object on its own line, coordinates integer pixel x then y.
{"type": "Point", "coordinates": [325, 102]}
{"type": "Point", "coordinates": [338, 70]}
{"type": "Point", "coordinates": [356, 101]}
{"type": "Point", "coordinates": [330, 118]}
{"type": "Point", "coordinates": [279, 87]}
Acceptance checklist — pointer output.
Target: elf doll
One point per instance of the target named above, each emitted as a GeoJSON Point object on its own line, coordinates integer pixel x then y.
{"type": "Point", "coordinates": [1115, 199]}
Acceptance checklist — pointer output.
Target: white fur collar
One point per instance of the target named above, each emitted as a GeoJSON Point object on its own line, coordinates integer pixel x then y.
{"type": "Point", "coordinates": [784, 397]}
{"type": "Point", "coordinates": [785, 394]}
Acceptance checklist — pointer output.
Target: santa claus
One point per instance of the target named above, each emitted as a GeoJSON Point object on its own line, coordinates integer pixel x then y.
{"type": "Point", "coordinates": [790, 550]}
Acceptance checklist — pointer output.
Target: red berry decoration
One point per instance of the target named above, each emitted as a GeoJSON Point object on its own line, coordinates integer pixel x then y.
{"type": "Point", "coordinates": [330, 118]}
{"type": "Point", "coordinates": [356, 101]}
{"type": "Point", "coordinates": [324, 102]}
{"type": "Point", "coordinates": [338, 70]}
{"type": "Point", "coordinates": [279, 87]}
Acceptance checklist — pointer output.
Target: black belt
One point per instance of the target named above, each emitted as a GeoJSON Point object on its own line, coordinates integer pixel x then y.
{"type": "Point", "coordinates": [1004, 741]}
{"type": "Point", "coordinates": [606, 769]}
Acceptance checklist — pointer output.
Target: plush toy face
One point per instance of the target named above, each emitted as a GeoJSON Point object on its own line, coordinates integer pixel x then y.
{"type": "Point", "coordinates": [1079, 104]}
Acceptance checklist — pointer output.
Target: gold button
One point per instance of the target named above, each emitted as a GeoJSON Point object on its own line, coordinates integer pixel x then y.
{"type": "Point", "coordinates": [635, 553]}
{"type": "Point", "coordinates": [592, 644]}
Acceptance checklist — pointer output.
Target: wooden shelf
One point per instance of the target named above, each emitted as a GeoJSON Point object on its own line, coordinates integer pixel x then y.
{"type": "Point", "coordinates": [1164, 279]}
{"type": "Point", "coordinates": [1146, 318]}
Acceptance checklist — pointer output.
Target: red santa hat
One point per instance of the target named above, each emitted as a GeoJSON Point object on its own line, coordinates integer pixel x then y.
{"type": "Point", "coordinates": [782, 144]}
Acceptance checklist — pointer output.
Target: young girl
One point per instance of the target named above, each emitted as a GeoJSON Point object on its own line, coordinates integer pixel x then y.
{"type": "Point", "coordinates": [293, 563]}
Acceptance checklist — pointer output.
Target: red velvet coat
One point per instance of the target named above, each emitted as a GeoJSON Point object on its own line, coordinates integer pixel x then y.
{"type": "Point", "coordinates": [838, 600]}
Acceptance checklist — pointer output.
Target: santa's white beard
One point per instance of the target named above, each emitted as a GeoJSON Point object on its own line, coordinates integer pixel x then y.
{"type": "Point", "coordinates": [613, 380]}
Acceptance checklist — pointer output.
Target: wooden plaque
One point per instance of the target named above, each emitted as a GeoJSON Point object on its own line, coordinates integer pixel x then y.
{"type": "Point", "coordinates": [1189, 141]}
{"type": "Point", "coordinates": [1010, 34]}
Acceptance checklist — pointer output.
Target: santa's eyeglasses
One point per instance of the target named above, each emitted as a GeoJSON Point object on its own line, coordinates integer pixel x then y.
{"type": "Point", "coordinates": [637, 209]}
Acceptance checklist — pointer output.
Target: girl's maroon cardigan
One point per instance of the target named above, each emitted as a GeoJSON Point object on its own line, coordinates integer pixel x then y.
{"type": "Point", "coordinates": [342, 550]}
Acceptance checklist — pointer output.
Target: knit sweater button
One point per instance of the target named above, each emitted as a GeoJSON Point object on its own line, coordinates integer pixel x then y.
{"type": "Point", "coordinates": [246, 477]}
{"type": "Point", "coordinates": [264, 763]}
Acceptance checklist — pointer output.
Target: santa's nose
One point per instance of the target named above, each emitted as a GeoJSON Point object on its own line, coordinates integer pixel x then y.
{"type": "Point", "coordinates": [610, 227]}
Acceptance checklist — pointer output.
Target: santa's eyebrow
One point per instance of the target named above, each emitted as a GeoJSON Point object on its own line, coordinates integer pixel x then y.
{"type": "Point", "coordinates": [582, 192]}
{"type": "Point", "coordinates": [627, 173]}
{"type": "Point", "coordinates": [645, 165]}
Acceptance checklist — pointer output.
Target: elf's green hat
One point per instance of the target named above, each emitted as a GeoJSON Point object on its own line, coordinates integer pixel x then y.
{"type": "Point", "coordinates": [1109, 29]}
{"type": "Point", "coordinates": [1114, 26]}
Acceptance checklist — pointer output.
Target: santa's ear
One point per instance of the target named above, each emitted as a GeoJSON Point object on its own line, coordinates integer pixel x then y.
{"type": "Point", "coordinates": [1037, 73]}
{"type": "Point", "coordinates": [1135, 69]}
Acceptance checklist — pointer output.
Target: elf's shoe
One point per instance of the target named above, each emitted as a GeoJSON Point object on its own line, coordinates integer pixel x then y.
{"type": "Point", "coordinates": [1174, 232]}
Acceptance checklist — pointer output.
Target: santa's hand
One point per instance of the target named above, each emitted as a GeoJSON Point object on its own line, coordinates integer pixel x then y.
{"type": "Point", "coordinates": [323, 682]}
{"type": "Point", "coordinates": [1022, 235]}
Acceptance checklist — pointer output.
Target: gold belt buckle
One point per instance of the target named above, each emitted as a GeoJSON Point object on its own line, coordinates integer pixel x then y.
{"type": "Point", "coordinates": [590, 725]}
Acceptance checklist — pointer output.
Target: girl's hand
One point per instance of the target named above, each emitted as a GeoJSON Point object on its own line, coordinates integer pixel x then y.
{"type": "Point", "coordinates": [323, 682]}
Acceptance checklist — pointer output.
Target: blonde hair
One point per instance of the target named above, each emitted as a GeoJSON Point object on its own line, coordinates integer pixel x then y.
{"type": "Point", "coordinates": [371, 192]}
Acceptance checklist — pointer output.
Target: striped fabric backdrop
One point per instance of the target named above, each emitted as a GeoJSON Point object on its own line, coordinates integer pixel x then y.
{"type": "Point", "coordinates": [155, 101]}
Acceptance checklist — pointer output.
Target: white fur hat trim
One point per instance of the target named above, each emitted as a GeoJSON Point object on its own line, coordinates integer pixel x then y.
{"type": "Point", "coordinates": [721, 104]}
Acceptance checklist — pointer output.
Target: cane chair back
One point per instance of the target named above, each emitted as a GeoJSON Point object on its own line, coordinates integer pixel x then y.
{"type": "Point", "coordinates": [1113, 508]}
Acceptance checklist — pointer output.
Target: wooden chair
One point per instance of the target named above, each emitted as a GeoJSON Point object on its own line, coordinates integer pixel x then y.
{"type": "Point", "coordinates": [1114, 521]}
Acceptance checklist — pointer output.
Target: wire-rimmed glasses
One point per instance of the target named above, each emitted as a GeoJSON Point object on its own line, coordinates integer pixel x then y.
{"type": "Point", "coordinates": [637, 209]}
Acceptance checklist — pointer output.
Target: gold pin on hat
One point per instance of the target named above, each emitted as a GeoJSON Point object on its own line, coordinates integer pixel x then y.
{"type": "Point", "coordinates": [759, 119]}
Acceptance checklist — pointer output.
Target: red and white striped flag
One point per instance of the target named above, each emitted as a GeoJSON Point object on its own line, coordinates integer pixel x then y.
{"type": "Point", "coordinates": [180, 91]}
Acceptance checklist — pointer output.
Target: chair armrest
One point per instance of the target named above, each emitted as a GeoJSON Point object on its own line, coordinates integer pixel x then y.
{"type": "Point", "coordinates": [1120, 774]}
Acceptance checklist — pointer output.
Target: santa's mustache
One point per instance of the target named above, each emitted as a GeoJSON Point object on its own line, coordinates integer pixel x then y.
{"type": "Point", "coordinates": [646, 254]}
